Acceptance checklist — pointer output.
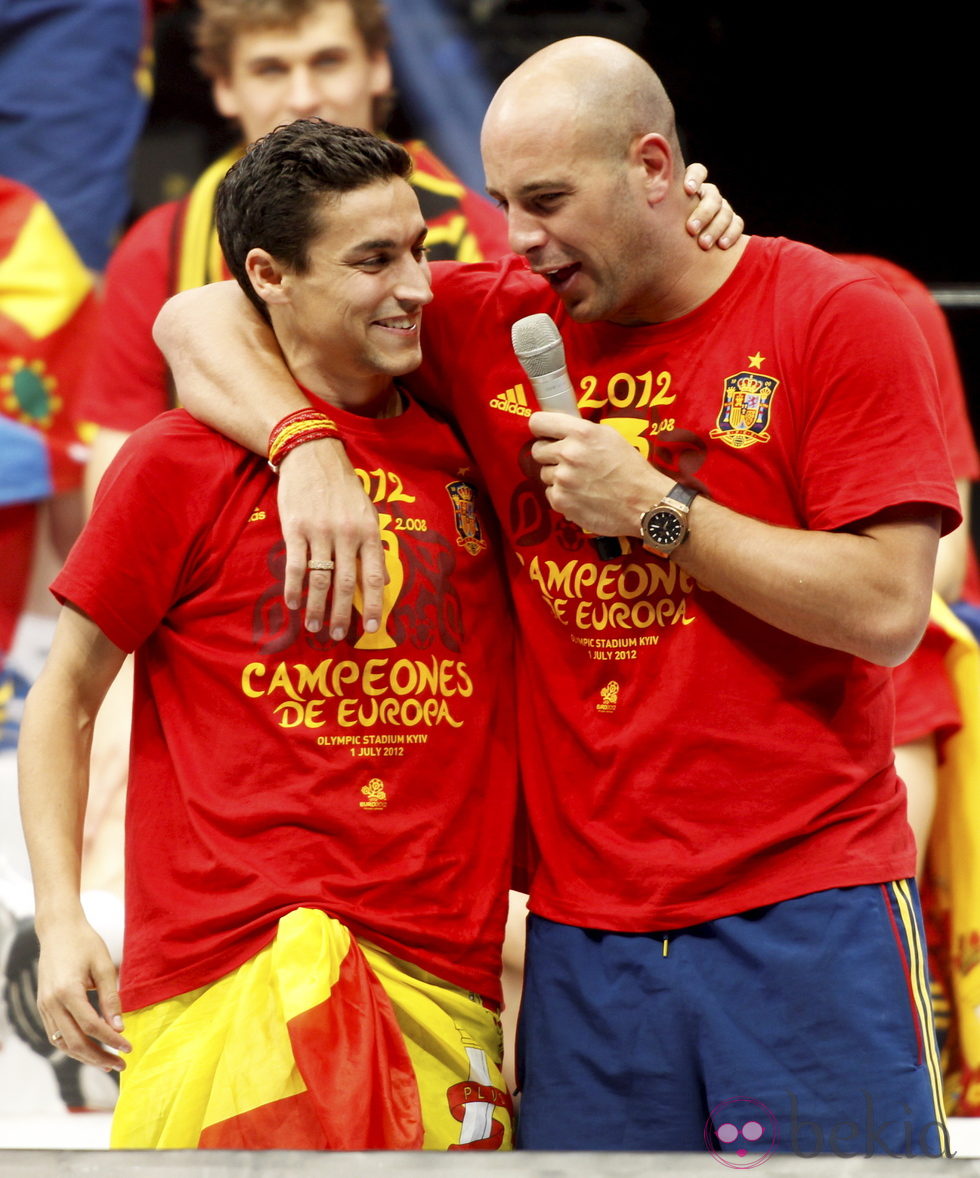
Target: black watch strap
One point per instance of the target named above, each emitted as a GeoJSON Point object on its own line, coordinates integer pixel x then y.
{"type": "Point", "coordinates": [678, 493]}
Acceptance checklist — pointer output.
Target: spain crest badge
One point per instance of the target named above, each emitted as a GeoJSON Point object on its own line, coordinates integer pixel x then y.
{"type": "Point", "coordinates": [469, 530]}
{"type": "Point", "coordinates": [745, 410]}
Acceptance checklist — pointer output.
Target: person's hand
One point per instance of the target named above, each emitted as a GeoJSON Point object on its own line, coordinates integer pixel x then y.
{"type": "Point", "coordinates": [593, 475]}
{"type": "Point", "coordinates": [75, 960]}
{"type": "Point", "coordinates": [327, 518]}
{"type": "Point", "coordinates": [713, 220]}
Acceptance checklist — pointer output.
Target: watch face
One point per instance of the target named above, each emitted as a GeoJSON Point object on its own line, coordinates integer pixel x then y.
{"type": "Point", "coordinates": [664, 529]}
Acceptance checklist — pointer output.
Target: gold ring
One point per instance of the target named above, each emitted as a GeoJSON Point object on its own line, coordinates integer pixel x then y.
{"type": "Point", "coordinates": [320, 566]}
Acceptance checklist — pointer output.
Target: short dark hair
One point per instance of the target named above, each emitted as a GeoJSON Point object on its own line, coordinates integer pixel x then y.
{"type": "Point", "coordinates": [273, 197]}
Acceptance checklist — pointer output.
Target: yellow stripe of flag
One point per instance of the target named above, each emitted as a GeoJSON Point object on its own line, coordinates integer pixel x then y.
{"type": "Point", "coordinates": [42, 280]}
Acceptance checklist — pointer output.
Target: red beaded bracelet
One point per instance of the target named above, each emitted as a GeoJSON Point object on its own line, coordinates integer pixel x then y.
{"type": "Point", "coordinates": [305, 425]}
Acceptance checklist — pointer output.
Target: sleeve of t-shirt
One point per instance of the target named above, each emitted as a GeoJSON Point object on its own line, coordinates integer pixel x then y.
{"type": "Point", "coordinates": [126, 382]}
{"type": "Point", "coordinates": [873, 436]}
{"type": "Point", "coordinates": [145, 540]}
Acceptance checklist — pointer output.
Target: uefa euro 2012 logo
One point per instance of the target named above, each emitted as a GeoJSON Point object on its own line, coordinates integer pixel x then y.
{"type": "Point", "coordinates": [375, 796]}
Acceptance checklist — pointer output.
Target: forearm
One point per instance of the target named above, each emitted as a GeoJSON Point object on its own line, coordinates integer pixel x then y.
{"type": "Point", "coordinates": [226, 364]}
{"type": "Point", "coordinates": [53, 759]}
{"type": "Point", "coordinates": [837, 589]}
{"type": "Point", "coordinates": [230, 374]}
{"type": "Point", "coordinates": [54, 748]}
{"type": "Point", "coordinates": [865, 591]}
{"type": "Point", "coordinates": [53, 753]}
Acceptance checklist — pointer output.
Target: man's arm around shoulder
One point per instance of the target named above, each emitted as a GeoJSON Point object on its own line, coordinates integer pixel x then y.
{"type": "Point", "coordinates": [230, 373]}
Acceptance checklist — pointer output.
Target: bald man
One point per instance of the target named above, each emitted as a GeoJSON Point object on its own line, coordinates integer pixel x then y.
{"type": "Point", "coordinates": [724, 950]}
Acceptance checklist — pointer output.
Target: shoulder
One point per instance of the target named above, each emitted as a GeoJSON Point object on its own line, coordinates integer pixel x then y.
{"type": "Point", "coordinates": [914, 295]}
{"type": "Point", "coordinates": [508, 284]}
{"type": "Point", "coordinates": [138, 273]}
{"type": "Point", "coordinates": [176, 428]}
{"type": "Point", "coordinates": [175, 445]}
{"type": "Point", "coordinates": [795, 261]}
{"type": "Point", "coordinates": [821, 291]}
{"type": "Point", "coordinates": [151, 232]}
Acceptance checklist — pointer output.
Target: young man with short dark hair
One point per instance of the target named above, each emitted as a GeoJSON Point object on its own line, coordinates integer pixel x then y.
{"type": "Point", "coordinates": [318, 832]}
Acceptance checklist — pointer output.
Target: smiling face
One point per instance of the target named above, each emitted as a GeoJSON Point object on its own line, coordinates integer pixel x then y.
{"type": "Point", "coordinates": [321, 67]}
{"type": "Point", "coordinates": [351, 321]}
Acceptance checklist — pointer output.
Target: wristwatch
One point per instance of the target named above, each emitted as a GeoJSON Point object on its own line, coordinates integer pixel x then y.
{"type": "Point", "coordinates": [664, 526]}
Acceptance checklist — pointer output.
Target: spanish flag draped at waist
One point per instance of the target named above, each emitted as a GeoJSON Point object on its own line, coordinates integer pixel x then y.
{"type": "Point", "coordinates": [317, 1042]}
{"type": "Point", "coordinates": [298, 1048]}
{"type": "Point", "coordinates": [951, 890]}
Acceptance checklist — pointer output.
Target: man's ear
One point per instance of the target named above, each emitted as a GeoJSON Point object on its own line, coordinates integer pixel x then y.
{"type": "Point", "coordinates": [266, 276]}
{"type": "Point", "coordinates": [380, 78]}
{"type": "Point", "coordinates": [224, 97]}
{"type": "Point", "coordinates": [654, 155]}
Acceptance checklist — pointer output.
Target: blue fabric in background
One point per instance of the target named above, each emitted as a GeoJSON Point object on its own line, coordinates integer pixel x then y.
{"type": "Point", "coordinates": [25, 469]}
{"type": "Point", "coordinates": [969, 615]}
{"type": "Point", "coordinates": [71, 110]}
{"type": "Point", "coordinates": [442, 83]}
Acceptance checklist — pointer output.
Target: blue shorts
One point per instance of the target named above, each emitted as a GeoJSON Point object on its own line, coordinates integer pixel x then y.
{"type": "Point", "coordinates": [805, 1026]}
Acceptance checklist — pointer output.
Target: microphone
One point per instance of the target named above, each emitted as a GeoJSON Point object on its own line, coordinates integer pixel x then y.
{"type": "Point", "coordinates": [538, 346]}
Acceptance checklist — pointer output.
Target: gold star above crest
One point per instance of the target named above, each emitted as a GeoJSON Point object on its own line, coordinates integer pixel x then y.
{"type": "Point", "coordinates": [462, 472]}
{"type": "Point", "coordinates": [756, 361]}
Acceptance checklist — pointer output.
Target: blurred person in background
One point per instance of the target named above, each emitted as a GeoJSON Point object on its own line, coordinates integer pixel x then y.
{"type": "Point", "coordinates": [937, 730]}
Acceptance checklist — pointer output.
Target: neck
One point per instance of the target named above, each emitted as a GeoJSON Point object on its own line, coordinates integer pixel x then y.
{"type": "Point", "coordinates": [385, 401]}
{"type": "Point", "coordinates": [689, 276]}
{"type": "Point", "coordinates": [372, 394]}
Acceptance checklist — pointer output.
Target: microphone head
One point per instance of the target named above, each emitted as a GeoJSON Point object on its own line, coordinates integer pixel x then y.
{"type": "Point", "coordinates": [538, 345]}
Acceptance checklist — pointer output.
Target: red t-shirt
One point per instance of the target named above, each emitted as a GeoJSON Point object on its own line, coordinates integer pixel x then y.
{"type": "Point", "coordinates": [681, 759]}
{"type": "Point", "coordinates": [373, 778]}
